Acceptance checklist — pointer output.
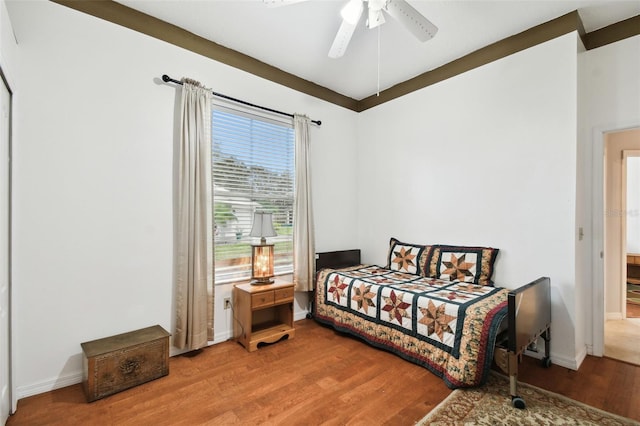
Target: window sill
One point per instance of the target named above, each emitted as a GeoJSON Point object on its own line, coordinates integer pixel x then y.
{"type": "Point", "coordinates": [280, 277]}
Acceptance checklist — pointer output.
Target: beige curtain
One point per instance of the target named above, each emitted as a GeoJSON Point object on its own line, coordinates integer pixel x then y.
{"type": "Point", "coordinates": [194, 246]}
{"type": "Point", "coordinates": [303, 234]}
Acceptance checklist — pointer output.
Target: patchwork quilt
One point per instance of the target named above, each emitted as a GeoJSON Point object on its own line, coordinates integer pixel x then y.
{"type": "Point", "coordinates": [449, 327]}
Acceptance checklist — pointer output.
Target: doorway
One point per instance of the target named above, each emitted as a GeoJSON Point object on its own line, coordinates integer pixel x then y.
{"type": "Point", "coordinates": [621, 151]}
{"type": "Point", "coordinates": [5, 251]}
{"type": "Point", "coordinates": [632, 243]}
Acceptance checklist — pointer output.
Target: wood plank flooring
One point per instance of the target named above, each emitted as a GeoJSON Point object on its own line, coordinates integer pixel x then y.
{"type": "Point", "coordinates": [633, 310]}
{"type": "Point", "coordinates": [622, 340]}
{"type": "Point", "coordinates": [604, 383]}
{"type": "Point", "coordinates": [319, 377]}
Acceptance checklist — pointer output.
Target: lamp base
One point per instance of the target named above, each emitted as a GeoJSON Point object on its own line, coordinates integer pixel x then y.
{"type": "Point", "coordinates": [262, 281]}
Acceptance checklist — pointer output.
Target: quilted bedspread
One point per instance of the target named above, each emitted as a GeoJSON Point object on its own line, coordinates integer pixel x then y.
{"type": "Point", "coordinates": [449, 327]}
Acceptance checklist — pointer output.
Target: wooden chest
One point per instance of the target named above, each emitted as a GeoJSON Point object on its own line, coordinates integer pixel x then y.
{"type": "Point", "coordinates": [120, 362]}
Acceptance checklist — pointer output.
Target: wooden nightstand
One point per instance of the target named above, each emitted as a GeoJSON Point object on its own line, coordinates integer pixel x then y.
{"type": "Point", "coordinates": [633, 268]}
{"type": "Point", "coordinates": [264, 313]}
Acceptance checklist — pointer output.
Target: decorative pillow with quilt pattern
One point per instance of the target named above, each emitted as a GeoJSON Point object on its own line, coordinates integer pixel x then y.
{"type": "Point", "coordinates": [467, 264]}
{"type": "Point", "coordinates": [405, 257]}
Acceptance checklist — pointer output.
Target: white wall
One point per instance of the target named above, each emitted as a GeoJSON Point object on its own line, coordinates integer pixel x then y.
{"type": "Point", "coordinates": [93, 168]}
{"type": "Point", "coordinates": [93, 171]}
{"type": "Point", "coordinates": [610, 100]}
{"type": "Point", "coordinates": [484, 158]}
{"type": "Point", "coordinates": [583, 243]}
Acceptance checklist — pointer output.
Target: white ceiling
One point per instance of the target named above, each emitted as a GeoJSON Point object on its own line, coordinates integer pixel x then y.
{"type": "Point", "coordinates": [296, 38]}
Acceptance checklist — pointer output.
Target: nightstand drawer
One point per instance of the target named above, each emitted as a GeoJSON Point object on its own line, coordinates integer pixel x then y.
{"type": "Point", "coordinates": [265, 298]}
{"type": "Point", "coordinates": [283, 294]}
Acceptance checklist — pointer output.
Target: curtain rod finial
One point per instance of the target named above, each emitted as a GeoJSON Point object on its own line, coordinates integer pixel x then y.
{"type": "Point", "coordinates": [166, 78]}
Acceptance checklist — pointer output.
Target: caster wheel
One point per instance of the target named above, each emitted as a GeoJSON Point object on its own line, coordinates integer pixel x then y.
{"type": "Point", "coordinates": [518, 402]}
{"type": "Point", "coordinates": [546, 362]}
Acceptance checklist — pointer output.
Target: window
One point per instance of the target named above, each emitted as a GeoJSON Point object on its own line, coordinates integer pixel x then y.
{"type": "Point", "coordinates": [253, 170]}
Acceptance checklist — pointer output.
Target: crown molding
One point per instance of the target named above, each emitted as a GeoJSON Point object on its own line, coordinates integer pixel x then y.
{"type": "Point", "coordinates": [498, 50]}
{"type": "Point", "coordinates": [613, 33]}
{"type": "Point", "coordinates": [120, 14]}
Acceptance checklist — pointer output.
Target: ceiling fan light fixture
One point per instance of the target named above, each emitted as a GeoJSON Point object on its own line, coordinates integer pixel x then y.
{"type": "Point", "coordinates": [352, 11]}
{"type": "Point", "coordinates": [400, 10]}
{"type": "Point", "coordinates": [377, 4]}
{"type": "Point", "coordinates": [375, 18]}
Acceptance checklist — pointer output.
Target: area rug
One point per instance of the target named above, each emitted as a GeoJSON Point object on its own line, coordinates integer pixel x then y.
{"type": "Point", "coordinates": [491, 405]}
{"type": "Point", "coordinates": [633, 294]}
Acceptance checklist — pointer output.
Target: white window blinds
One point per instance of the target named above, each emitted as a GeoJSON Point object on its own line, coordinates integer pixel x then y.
{"type": "Point", "coordinates": [253, 170]}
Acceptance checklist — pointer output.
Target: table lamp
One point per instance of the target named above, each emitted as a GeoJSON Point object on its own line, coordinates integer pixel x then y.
{"type": "Point", "coordinates": [262, 254]}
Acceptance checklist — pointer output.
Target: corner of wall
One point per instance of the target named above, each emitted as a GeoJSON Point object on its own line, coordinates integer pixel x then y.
{"type": "Point", "coordinates": [570, 363]}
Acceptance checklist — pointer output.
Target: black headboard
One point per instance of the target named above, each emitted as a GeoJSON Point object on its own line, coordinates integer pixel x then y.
{"type": "Point", "coordinates": [337, 259]}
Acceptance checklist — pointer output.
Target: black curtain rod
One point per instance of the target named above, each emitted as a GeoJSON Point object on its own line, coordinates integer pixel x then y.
{"type": "Point", "coordinates": [167, 79]}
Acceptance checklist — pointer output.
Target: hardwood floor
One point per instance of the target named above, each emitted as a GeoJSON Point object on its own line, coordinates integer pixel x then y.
{"type": "Point", "coordinates": [633, 310]}
{"type": "Point", "coordinates": [319, 377]}
{"type": "Point", "coordinates": [621, 340]}
{"type": "Point", "coordinates": [604, 383]}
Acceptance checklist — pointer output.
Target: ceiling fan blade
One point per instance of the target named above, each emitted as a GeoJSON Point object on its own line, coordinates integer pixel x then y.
{"type": "Point", "coordinates": [342, 39]}
{"type": "Point", "coordinates": [278, 3]}
{"type": "Point", "coordinates": [417, 24]}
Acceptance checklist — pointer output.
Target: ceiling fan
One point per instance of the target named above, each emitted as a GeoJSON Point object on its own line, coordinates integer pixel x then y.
{"type": "Point", "coordinates": [400, 10]}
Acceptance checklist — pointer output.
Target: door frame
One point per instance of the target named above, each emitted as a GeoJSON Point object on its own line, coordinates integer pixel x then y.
{"type": "Point", "coordinates": [598, 293]}
{"type": "Point", "coordinates": [10, 382]}
{"type": "Point", "coordinates": [626, 153]}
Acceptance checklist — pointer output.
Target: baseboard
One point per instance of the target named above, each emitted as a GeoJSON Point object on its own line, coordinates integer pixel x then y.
{"type": "Point", "coordinates": [75, 378]}
{"type": "Point", "coordinates": [300, 315]}
{"type": "Point", "coordinates": [225, 335]}
{"type": "Point", "coordinates": [48, 385]}
{"type": "Point", "coordinates": [570, 363]}
{"type": "Point", "coordinates": [580, 356]}
{"type": "Point", "coordinates": [613, 316]}
{"type": "Point", "coordinates": [589, 349]}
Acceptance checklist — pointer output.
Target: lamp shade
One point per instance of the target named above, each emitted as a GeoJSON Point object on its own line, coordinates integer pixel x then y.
{"type": "Point", "coordinates": [262, 225]}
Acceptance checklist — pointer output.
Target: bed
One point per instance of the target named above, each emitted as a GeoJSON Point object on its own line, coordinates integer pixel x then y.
{"type": "Point", "coordinates": [436, 306]}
